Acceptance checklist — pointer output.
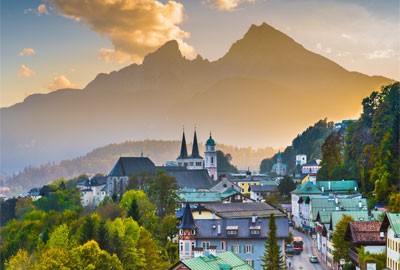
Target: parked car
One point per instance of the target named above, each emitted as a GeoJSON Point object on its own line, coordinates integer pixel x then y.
{"type": "Point", "coordinates": [293, 251]}
{"type": "Point", "coordinates": [313, 259]}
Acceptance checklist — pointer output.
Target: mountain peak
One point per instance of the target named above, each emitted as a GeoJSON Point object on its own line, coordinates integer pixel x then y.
{"type": "Point", "coordinates": [169, 52]}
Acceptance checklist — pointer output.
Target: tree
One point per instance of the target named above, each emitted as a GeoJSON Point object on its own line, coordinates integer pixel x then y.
{"type": "Point", "coordinates": [22, 260]}
{"type": "Point", "coordinates": [342, 246]}
{"type": "Point", "coordinates": [133, 211]}
{"type": "Point", "coordinates": [224, 163]}
{"type": "Point", "coordinates": [168, 228]}
{"type": "Point", "coordinates": [272, 255]}
{"type": "Point", "coordinates": [286, 185]}
{"type": "Point", "coordinates": [162, 192]}
{"type": "Point", "coordinates": [366, 257]}
{"type": "Point", "coordinates": [332, 155]}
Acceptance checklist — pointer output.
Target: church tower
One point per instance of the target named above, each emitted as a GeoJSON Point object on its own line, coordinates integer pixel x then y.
{"type": "Point", "coordinates": [211, 158]}
{"type": "Point", "coordinates": [182, 159]}
{"type": "Point", "coordinates": [187, 234]}
{"type": "Point", "coordinates": [196, 162]}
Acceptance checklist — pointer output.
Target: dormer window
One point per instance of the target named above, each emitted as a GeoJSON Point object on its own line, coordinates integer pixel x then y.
{"type": "Point", "coordinates": [255, 230]}
{"type": "Point", "coordinates": [193, 232]}
{"type": "Point", "coordinates": [232, 230]}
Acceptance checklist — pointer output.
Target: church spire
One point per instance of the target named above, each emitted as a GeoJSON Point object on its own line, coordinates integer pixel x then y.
{"type": "Point", "coordinates": [195, 149]}
{"type": "Point", "coordinates": [183, 154]}
{"type": "Point", "coordinates": [187, 219]}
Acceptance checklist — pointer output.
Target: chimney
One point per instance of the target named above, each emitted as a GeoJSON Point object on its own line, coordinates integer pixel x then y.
{"type": "Point", "coordinates": [219, 228]}
{"type": "Point", "coordinates": [253, 218]}
{"type": "Point", "coordinates": [336, 200]}
{"type": "Point", "coordinates": [329, 185]}
{"type": "Point", "coordinates": [213, 215]}
{"type": "Point", "coordinates": [382, 235]}
{"type": "Point", "coordinates": [360, 204]}
{"type": "Point", "coordinates": [322, 189]}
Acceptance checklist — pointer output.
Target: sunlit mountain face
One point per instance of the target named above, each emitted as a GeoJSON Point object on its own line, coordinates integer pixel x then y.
{"type": "Point", "coordinates": [262, 92]}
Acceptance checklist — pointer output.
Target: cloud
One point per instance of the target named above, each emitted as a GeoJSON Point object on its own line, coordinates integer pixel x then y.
{"type": "Point", "coordinates": [227, 5]}
{"type": "Point", "coordinates": [110, 55]}
{"type": "Point", "coordinates": [60, 82]}
{"type": "Point", "coordinates": [24, 71]}
{"type": "Point", "coordinates": [380, 54]}
{"type": "Point", "coordinates": [134, 27]}
{"type": "Point", "coordinates": [28, 10]}
{"type": "Point", "coordinates": [27, 51]}
{"type": "Point", "coordinates": [42, 9]}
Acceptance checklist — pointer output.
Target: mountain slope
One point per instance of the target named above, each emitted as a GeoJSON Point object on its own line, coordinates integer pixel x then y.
{"type": "Point", "coordinates": [265, 89]}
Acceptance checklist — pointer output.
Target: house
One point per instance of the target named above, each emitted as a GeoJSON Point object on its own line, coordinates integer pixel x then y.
{"type": "Point", "coordinates": [223, 184]}
{"type": "Point", "coordinates": [191, 179]}
{"type": "Point", "coordinates": [311, 168]}
{"type": "Point", "coordinates": [259, 192]}
{"type": "Point", "coordinates": [238, 227]}
{"type": "Point", "coordinates": [245, 181]}
{"type": "Point", "coordinates": [391, 228]}
{"type": "Point", "coordinates": [34, 193]}
{"type": "Point", "coordinates": [93, 190]}
{"type": "Point", "coordinates": [301, 159]}
{"type": "Point", "coordinates": [323, 190]}
{"type": "Point", "coordinates": [365, 234]}
{"type": "Point", "coordinates": [194, 196]}
{"type": "Point", "coordinates": [220, 261]}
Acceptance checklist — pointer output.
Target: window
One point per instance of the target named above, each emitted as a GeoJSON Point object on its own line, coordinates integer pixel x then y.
{"type": "Point", "coordinates": [236, 249]}
{"type": "Point", "coordinates": [212, 160]}
{"type": "Point", "coordinates": [222, 245]}
{"type": "Point", "coordinates": [255, 232]}
{"type": "Point", "coordinates": [250, 262]}
{"type": "Point", "coordinates": [205, 245]}
{"type": "Point", "coordinates": [193, 232]}
{"type": "Point", "coordinates": [191, 163]}
{"type": "Point", "coordinates": [249, 248]}
{"type": "Point", "coordinates": [231, 232]}
{"type": "Point", "coordinates": [181, 246]}
{"type": "Point", "coordinates": [180, 232]}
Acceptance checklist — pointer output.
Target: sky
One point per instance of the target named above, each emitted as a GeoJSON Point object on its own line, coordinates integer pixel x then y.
{"type": "Point", "coordinates": [51, 44]}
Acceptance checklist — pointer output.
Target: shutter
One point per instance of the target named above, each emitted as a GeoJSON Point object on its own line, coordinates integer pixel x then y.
{"type": "Point", "coordinates": [251, 249]}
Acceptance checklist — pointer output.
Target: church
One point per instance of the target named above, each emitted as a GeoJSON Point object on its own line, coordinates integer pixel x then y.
{"type": "Point", "coordinates": [197, 162]}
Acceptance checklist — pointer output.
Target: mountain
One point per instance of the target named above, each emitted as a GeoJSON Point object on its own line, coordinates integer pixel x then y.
{"type": "Point", "coordinates": [261, 92]}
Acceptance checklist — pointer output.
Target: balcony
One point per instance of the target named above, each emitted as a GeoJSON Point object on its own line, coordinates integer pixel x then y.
{"type": "Point", "coordinates": [353, 256]}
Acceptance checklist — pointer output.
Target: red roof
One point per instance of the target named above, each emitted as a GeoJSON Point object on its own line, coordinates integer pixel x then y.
{"type": "Point", "coordinates": [365, 233]}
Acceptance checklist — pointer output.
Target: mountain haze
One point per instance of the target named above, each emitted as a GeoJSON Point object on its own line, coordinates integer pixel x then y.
{"type": "Point", "coordinates": [261, 92]}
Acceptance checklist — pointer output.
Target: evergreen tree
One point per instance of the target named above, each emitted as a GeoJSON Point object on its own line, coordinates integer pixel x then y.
{"type": "Point", "coordinates": [133, 211]}
{"type": "Point", "coordinates": [272, 256]}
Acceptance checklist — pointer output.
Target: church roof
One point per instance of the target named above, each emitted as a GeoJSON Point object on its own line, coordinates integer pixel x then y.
{"type": "Point", "coordinates": [126, 166]}
{"type": "Point", "coordinates": [198, 179]}
{"type": "Point", "coordinates": [210, 141]}
{"type": "Point", "coordinates": [187, 219]}
{"type": "Point", "coordinates": [195, 149]}
{"type": "Point", "coordinates": [184, 153]}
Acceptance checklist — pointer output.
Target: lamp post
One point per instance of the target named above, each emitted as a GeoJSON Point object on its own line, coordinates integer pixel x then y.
{"type": "Point", "coordinates": [342, 262]}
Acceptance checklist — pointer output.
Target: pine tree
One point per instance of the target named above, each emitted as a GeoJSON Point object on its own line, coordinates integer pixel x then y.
{"type": "Point", "coordinates": [272, 256]}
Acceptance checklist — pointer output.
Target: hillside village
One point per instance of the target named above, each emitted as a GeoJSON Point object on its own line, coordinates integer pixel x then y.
{"type": "Point", "coordinates": [223, 218]}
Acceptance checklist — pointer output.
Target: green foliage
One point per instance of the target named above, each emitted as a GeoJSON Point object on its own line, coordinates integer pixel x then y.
{"type": "Point", "coordinates": [60, 199]}
{"type": "Point", "coordinates": [224, 163]}
{"type": "Point", "coordinates": [366, 257]}
{"type": "Point", "coordinates": [60, 238]}
{"type": "Point", "coordinates": [272, 255]}
{"type": "Point", "coordinates": [22, 260]}
{"type": "Point", "coordinates": [286, 185]}
{"type": "Point", "coordinates": [308, 143]}
{"type": "Point", "coordinates": [7, 210]}
{"type": "Point", "coordinates": [162, 192]}
{"type": "Point", "coordinates": [369, 151]}
{"type": "Point", "coordinates": [341, 246]}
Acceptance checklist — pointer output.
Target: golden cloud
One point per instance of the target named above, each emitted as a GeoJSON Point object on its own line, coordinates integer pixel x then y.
{"type": "Point", "coordinates": [227, 5]}
{"type": "Point", "coordinates": [135, 27]}
{"type": "Point", "coordinates": [60, 82]}
{"type": "Point", "coordinates": [42, 9]}
{"type": "Point", "coordinates": [27, 51]}
{"type": "Point", "coordinates": [110, 55]}
{"type": "Point", "coordinates": [24, 71]}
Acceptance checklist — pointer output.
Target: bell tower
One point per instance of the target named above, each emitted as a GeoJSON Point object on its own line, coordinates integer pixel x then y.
{"type": "Point", "coordinates": [211, 158]}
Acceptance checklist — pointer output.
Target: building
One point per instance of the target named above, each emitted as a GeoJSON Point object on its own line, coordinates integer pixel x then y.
{"type": "Point", "coordinates": [311, 169]}
{"type": "Point", "coordinates": [246, 181]}
{"type": "Point", "coordinates": [264, 189]}
{"type": "Point", "coordinates": [279, 168]}
{"type": "Point", "coordinates": [195, 161]}
{"type": "Point", "coordinates": [301, 160]}
{"type": "Point", "coordinates": [226, 260]}
{"type": "Point", "coordinates": [211, 158]}
{"type": "Point", "coordinates": [391, 228]}
{"type": "Point", "coordinates": [93, 191]}
{"type": "Point", "coordinates": [320, 189]}
{"type": "Point", "coordinates": [238, 227]}
{"type": "Point", "coordinates": [365, 234]}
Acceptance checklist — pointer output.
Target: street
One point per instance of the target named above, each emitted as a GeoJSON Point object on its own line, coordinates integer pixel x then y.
{"type": "Point", "coordinates": [302, 261]}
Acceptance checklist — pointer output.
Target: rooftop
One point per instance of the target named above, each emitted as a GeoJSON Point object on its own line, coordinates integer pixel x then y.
{"type": "Point", "coordinates": [223, 260]}
{"type": "Point", "coordinates": [243, 210]}
{"type": "Point", "coordinates": [364, 233]}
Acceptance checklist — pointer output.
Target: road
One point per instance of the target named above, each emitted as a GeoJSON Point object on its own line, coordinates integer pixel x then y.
{"type": "Point", "coordinates": [302, 261]}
